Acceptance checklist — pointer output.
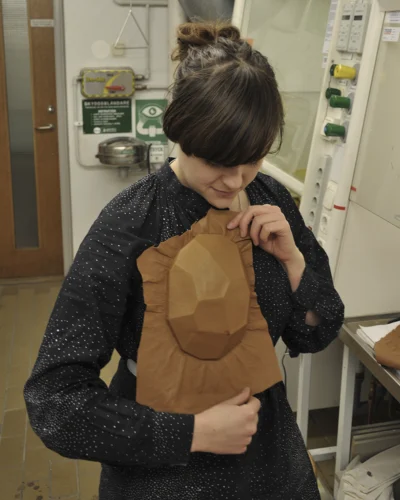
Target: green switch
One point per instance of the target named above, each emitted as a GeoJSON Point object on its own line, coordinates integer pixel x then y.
{"type": "Point", "coordinates": [333, 130]}
{"type": "Point", "coordinates": [330, 91]}
{"type": "Point", "coordinates": [340, 102]}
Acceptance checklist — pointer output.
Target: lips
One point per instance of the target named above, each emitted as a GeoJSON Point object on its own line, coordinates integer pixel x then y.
{"type": "Point", "coordinates": [225, 194]}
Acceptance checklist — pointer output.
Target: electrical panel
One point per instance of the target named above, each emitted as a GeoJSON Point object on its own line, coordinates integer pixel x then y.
{"type": "Point", "coordinates": [345, 27]}
{"type": "Point", "coordinates": [322, 204]}
{"type": "Point", "coordinates": [359, 28]}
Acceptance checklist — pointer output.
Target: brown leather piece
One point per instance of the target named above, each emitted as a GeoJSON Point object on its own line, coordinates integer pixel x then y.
{"type": "Point", "coordinates": [387, 350]}
{"type": "Point", "coordinates": [204, 338]}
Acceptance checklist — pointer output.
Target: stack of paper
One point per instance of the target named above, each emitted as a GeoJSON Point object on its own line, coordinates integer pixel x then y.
{"type": "Point", "coordinates": [372, 334]}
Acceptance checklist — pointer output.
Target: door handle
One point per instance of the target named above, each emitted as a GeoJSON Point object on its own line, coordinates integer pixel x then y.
{"type": "Point", "coordinates": [46, 127]}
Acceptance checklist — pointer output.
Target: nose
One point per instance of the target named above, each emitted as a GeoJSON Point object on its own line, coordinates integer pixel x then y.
{"type": "Point", "coordinates": [233, 178]}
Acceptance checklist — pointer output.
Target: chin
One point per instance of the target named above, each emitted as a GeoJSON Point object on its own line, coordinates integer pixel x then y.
{"type": "Point", "coordinates": [220, 204]}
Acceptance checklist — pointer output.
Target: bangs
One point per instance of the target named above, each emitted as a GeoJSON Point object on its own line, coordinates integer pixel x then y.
{"type": "Point", "coordinates": [232, 117]}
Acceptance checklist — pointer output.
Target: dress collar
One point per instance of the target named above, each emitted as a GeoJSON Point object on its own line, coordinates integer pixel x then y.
{"type": "Point", "coordinates": [183, 196]}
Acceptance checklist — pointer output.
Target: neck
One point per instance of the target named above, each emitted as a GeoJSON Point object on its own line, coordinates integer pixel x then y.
{"type": "Point", "coordinates": [178, 172]}
{"type": "Point", "coordinates": [236, 203]}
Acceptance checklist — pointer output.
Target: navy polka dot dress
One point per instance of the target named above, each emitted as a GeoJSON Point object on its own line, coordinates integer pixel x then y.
{"type": "Point", "coordinates": [145, 454]}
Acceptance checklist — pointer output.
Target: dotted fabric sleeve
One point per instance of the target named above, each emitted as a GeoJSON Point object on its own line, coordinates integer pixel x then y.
{"type": "Point", "coordinates": [69, 406]}
{"type": "Point", "coordinates": [315, 292]}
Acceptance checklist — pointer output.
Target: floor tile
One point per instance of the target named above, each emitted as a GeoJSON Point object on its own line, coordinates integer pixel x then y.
{"type": "Point", "coordinates": [63, 478]}
{"type": "Point", "coordinates": [7, 290]}
{"type": "Point", "coordinates": [7, 327]}
{"type": "Point", "coordinates": [89, 479]}
{"type": "Point", "coordinates": [3, 382]}
{"type": "Point", "coordinates": [11, 484]}
{"type": "Point", "coordinates": [5, 355]}
{"type": "Point", "coordinates": [20, 356]}
{"type": "Point", "coordinates": [32, 440]}
{"type": "Point", "coordinates": [15, 398]}
{"type": "Point", "coordinates": [36, 490]}
{"type": "Point", "coordinates": [6, 335]}
{"type": "Point", "coordinates": [11, 452]}
{"type": "Point", "coordinates": [8, 309]}
{"type": "Point", "coordinates": [18, 374]}
{"type": "Point", "coordinates": [14, 423]}
{"type": "Point", "coordinates": [37, 464]}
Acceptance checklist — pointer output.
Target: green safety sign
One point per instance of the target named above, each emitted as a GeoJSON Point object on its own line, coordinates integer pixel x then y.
{"type": "Point", "coordinates": [107, 116]}
{"type": "Point", "coordinates": [149, 117]}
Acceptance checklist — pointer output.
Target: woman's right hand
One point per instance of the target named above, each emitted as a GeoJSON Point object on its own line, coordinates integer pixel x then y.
{"type": "Point", "coordinates": [228, 428]}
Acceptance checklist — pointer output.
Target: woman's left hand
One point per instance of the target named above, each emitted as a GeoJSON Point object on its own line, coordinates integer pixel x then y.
{"type": "Point", "coordinates": [269, 230]}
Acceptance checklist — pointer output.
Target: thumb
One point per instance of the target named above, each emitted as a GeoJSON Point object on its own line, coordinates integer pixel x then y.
{"type": "Point", "coordinates": [240, 399]}
{"type": "Point", "coordinates": [234, 223]}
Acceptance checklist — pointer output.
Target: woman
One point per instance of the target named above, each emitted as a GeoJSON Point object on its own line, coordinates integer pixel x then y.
{"type": "Point", "coordinates": [225, 114]}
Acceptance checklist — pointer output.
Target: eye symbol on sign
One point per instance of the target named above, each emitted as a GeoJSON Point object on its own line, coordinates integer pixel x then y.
{"type": "Point", "coordinates": [152, 111]}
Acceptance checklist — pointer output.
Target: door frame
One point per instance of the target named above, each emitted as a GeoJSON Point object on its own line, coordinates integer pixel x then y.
{"type": "Point", "coordinates": [62, 127]}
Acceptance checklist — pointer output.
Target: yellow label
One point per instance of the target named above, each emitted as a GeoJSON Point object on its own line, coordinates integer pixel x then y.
{"type": "Point", "coordinates": [98, 79]}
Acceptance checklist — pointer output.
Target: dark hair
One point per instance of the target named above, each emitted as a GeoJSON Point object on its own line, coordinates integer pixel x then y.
{"type": "Point", "coordinates": [226, 106]}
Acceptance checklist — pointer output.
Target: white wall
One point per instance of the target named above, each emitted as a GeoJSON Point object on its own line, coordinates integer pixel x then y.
{"type": "Point", "coordinates": [91, 25]}
{"type": "Point", "coordinates": [368, 270]}
{"type": "Point", "coordinates": [291, 34]}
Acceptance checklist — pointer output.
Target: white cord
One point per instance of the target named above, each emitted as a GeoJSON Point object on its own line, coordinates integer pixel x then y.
{"type": "Point", "coordinates": [132, 15]}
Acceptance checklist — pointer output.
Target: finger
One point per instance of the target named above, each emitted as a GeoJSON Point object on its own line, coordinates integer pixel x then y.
{"type": "Point", "coordinates": [234, 223]}
{"type": "Point", "coordinates": [265, 233]}
{"type": "Point", "coordinates": [269, 217]}
{"type": "Point", "coordinates": [246, 220]}
{"type": "Point", "coordinates": [254, 404]}
{"type": "Point", "coordinates": [248, 217]}
{"type": "Point", "coordinates": [261, 221]}
{"type": "Point", "coordinates": [253, 430]}
{"type": "Point", "coordinates": [273, 208]}
{"type": "Point", "coordinates": [278, 227]}
{"type": "Point", "coordinates": [240, 399]}
{"type": "Point", "coordinates": [265, 209]}
{"type": "Point", "coordinates": [256, 227]}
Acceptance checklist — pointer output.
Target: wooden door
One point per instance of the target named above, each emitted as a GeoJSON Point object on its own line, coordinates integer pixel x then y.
{"type": "Point", "coordinates": [30, 208]}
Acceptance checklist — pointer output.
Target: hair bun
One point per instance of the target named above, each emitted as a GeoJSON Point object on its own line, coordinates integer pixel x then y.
{"type": "Point", "coordinates": [203, 33]}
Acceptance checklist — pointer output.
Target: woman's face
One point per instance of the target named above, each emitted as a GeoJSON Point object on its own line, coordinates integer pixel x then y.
{"type": "Point", "coordinates": [218, 185]}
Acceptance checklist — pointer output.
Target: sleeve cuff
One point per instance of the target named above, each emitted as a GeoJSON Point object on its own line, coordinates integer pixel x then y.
{"type": "Point", "coordinates": [173, 437]}
{"type": "Point", "coordinates": [307, 292]}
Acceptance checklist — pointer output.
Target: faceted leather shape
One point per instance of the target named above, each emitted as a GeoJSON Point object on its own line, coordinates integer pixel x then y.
{"type": "Point", "coordinates": [209, 297]}
{"type": "Point", "coordinates": [199, 291]}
